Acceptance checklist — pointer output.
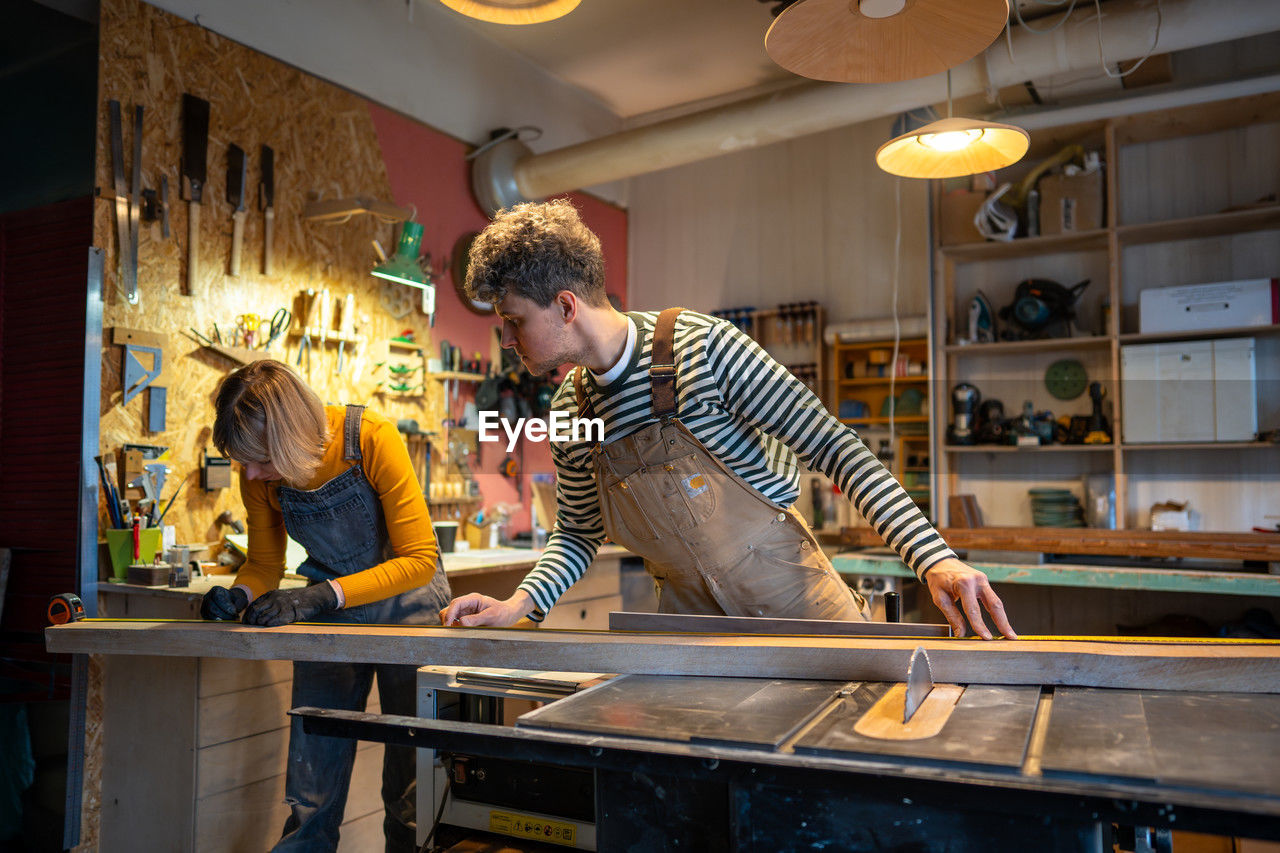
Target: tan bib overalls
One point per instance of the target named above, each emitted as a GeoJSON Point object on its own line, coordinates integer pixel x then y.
{"type": "Point", "coordinates": [713, 544]}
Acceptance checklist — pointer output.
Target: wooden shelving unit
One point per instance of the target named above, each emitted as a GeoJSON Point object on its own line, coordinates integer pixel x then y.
{"type": "Point", "coordinates": [1043, 448]}
{"type": "Point", "coordinates": [447, 375]}
{"type": "Point", "coordinates": [1233, 332]}
{"type": "Point", "coordinates": [1181, 191]}
{"type": "Point", "coordinates": [1205, 445]}
{"type": "Point", "coordinates": [416, 351]}
{"type": "Point", "coordinates": [1028, 246]}
{"type": "Point", "coordinates": [881, 381]}
{"type": "Point", "coordinates": [1047, 345]}
{"type": "Point", "coordinates": [910, 435]}
{"type": "Point", "coordinates": [792, 336]}
{"type": "Point", "coordinates": [1260, 218]}
{"type": "Point", "coordinates": [861, 370]}
{"type": "Point", "coordinates": [885, 421]}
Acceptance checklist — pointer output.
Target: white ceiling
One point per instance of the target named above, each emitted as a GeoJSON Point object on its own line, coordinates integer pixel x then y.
{"type": "Point", "coordinates": [644, 56]}
{"type": "Point", "coordinates": [640, 56]}
{"type": "Point", "coordinates": [607, 66]}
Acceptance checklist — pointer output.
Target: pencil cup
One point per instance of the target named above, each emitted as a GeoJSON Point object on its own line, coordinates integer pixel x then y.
{"type": "Point", "coordinates": [120, 545]}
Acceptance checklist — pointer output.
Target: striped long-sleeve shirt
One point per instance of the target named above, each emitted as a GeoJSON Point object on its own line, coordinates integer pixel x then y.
{"type": "Point", "coordinates": [750, 412]}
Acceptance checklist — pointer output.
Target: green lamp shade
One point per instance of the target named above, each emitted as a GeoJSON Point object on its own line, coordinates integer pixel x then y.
{"type": "Point", "coordinates": [402, 267]}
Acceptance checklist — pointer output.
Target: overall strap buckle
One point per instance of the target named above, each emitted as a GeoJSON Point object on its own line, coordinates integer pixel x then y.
{"type": "Point", "coordinates": [581, 395]}
{"type": "Point", "coordinates": [662, 369]}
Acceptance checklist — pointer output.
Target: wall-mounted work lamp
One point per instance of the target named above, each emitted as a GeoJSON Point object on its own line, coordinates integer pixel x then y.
{"type": "Point", "coordinates": [403, 267]}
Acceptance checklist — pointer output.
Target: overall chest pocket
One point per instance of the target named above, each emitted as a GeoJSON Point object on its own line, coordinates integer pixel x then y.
{"type": "Point", "coordinates": [659, 500]}
{"type": "Point", "coordinates": [622, 509]}
{"type": "Point", "coordinates": [686, 491]}
{"type": "Point", "coordinates": [335, 534]}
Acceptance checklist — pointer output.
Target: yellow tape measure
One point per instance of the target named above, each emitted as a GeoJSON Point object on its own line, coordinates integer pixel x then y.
{"type": "Point", "coordinates": [1214, 641]}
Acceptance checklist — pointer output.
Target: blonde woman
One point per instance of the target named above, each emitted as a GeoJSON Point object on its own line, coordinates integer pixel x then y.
{"type": "Point", "coordinates": [338, 479]}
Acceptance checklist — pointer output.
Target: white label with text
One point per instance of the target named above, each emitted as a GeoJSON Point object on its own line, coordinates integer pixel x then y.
{"type": "Point", "coordinates": [558, 427]}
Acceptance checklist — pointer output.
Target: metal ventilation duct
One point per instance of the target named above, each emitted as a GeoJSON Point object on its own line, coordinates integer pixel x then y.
{"type": "Point", "coordinates": [509, 173]}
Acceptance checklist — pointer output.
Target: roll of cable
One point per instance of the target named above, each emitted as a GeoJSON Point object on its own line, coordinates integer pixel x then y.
{"type": "Point", "coordinates": [994, 220]}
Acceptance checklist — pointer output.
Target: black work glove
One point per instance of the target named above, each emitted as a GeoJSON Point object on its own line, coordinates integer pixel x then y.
{"type": "Point", "coordinates": [283, 606]}
{"type": "Point", "coordinates": [222, 603]}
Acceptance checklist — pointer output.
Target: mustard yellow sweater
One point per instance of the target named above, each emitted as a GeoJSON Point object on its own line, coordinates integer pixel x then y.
{"type": "Point", "coordinates": [389, 471]}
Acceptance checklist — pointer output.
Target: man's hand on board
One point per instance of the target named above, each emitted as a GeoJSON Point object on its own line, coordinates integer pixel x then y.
{"type": "Point", "coordinates": [958, 589]}
{"type": "Point", "coordinates": [473, 610]}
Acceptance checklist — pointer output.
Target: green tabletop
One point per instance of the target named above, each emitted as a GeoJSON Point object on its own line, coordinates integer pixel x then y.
{"type": "Point", "coordinates": [1086, 577]}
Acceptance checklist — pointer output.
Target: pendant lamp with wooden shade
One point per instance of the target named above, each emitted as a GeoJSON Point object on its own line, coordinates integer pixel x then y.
{"type": "Point", "coordinates": [882, 41]}
{"type": "Point", "coordinates": [952, 147]}
{"type": "Point", "coordinates": [513, 11]}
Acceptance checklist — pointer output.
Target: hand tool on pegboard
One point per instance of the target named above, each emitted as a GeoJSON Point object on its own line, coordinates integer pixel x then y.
{"type": "Point", "coordinates": [135, 206]}
{"type": "Point", "coordinates": [195, 145]}
{"type": "Point", "coordinates": [164, 206]}
{"type": "Point", "coordinates": [237, 174]}
{"type": "Point", "coordinates": [137, 377]}
{"type": "Point", "coordinates": [127, 259]}
{"type": "Point", "coordinates": [346, 329]}
{"type": "Point", "coordinates": [267, 203]}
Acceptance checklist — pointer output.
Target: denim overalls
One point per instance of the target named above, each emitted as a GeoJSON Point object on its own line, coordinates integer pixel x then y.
{"type": "Point", "coordinates": [342, 526]}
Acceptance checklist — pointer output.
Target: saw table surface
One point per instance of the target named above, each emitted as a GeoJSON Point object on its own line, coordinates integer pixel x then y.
{"type": "Point", "coordinates": [1224, 741]}
{"type": "Point", "coordinates": [775, 764]}
{"type": "Point", "coordinates": [1220, 742]}
{"type": "Point", "coordinates": [1208, 742]}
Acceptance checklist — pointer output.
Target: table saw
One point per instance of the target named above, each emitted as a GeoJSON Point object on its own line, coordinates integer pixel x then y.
{"type": "Point", "coordinates": [739, 742]}
{"type": "Point", "coordinates": [706, 763]}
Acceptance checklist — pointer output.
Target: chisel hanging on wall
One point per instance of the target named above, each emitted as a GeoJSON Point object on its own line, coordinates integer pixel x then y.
{"type": "Point", "coordinates": [195, 145]}
{"type": "Point", "coordinates": [237, 171]}
{"type": "Point", "coordinates": [135, 207]}
{"type": "Point", "coordinates": [125, 246]}
{"type": "Point", "coordinates": [267, 202]}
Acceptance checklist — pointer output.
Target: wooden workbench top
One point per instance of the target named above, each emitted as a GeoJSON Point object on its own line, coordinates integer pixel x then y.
{"type": "Point", "coordinates": [456, 564]}
{"type": "Point", "coordinates": [494, 559]}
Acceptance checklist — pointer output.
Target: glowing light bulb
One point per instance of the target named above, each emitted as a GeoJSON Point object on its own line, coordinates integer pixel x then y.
{"type": "Point", "coordinates": [952, 140]}
{"type": "Point", "coordinates": [881, 8]}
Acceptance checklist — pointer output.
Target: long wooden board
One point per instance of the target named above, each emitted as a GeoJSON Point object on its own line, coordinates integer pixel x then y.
{"type": "Point", "coordinates": [1237, 667]}
{"type": "Point", "coordinates": [623, 620]}
{"type": "Point", "coordinates": [1263, 547]}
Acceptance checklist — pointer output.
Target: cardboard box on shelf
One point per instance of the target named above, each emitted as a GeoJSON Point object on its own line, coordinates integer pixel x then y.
{"type": "Point", "coordinates": [1172, 515]}
{"type": "Point", "coordinates": [1070, 203]}
{"type": "Point", "coordinates": [1215, 305]}
{"type": "Point", "coordinates": [956, 210]}
{"type": "Point", "coordinates": [1194, 391]}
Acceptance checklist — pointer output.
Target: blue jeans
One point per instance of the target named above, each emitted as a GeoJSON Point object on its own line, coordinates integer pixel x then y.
{"type": "Point", "coordinates": [319, 771]}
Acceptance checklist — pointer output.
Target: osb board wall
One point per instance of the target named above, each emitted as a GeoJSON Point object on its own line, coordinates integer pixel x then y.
{"type": "Point", "coordinates": [324, 143]}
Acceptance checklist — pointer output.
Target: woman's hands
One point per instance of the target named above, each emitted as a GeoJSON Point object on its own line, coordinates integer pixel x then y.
{"type": "Point", "coordinates": [271, 609]}
{"type": "Point", "coordinates": [223, 604]}
{"type": "Point", "coordinates": [957, 589]}
{"type": "Point", "coordinates": [286, 606]}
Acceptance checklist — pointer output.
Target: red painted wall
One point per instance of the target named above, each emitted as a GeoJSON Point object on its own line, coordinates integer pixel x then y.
{"type": "Point", "coordinates": [426, 169]}
{"type": "Point", "coordinates": [44, 272]}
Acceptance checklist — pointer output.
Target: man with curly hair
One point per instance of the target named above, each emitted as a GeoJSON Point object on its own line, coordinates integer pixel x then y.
{"type": "Point", "coordinates": [704, 437]}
